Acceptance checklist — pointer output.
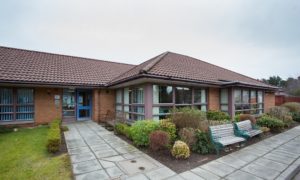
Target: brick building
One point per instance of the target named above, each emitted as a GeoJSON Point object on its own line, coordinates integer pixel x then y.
{"type": "Point", "coordinates": [36, 87]}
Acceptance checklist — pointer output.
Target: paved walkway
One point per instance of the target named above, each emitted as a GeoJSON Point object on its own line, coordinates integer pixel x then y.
{"type": "Point", "coordinates": [98, 154]}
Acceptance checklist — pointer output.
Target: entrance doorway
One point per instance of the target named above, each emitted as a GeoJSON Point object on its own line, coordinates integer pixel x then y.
{"type": "Point", "coordinates": [84, 105]}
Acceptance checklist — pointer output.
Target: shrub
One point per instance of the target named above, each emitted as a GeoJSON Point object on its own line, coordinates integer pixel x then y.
{"type": "Point", "coordinates": [140, 131]}
{"type": "Point", "coordinates": [64, 128]}
{"type": "Point", "coordinates": [281, 113]}
{"type": "Point", "coordinates": [217, 115]}
{"type": "Point", "coordinates": [54, 138]}
{"type": "Point", "coordinates": [203, 144]}
{"type": "Point", "coordinates": [123, 129]}
{"type": "Point", "coordinates": [188, 135]}
{"type": "Point", "coordinates": [180, 150]}
{"type": "Point", "coordinates": [243, 117]}
{"type": "Point", "coordinates": [187, 117]}
{"type": "Point", "coordinates": [159, 140]}
{"type": "Point", "coordinates": [296, 116]}
{"type": "Point", "coordinates": [169, 127]}
{"type": "Point", "coordinates": [271, 122]}
{"type": "Point", "coordinates": [264, 129]}
{"type": "Point", "coordinates": [294, 107]}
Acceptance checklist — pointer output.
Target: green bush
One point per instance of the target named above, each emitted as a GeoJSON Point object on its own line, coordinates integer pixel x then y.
{"type": "Point", "coordinates": [53, 137]}
{"type": "Point", "coordinates": [124, 129]}
{"type": "Point", "coordinates": [188, 135]}
{"type": "Point", "coordinates": [294, 107]}
{"type": "Point", "coordinates": [273, 123]}
{"type": "Point", "coordinates": [296, 116]}
{"type": "Point", "coordinates": [203, 144]}
{"type": "Point", "coordinates": [187, 117]}
{"type": "Point", "coordinates": [281, 113]}
{"type": "Point", "coordinates": [217, 115]}
{"type": "Point", "coordinates": [140, 131]}
{"type": "Point", "coordinates": [169, 127]}
{"type": "Point", "coordinates": [180, 150]}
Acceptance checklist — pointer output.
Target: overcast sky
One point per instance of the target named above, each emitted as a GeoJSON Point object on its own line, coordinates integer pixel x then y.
{"type": "Point", "coordinates": [253, 37]}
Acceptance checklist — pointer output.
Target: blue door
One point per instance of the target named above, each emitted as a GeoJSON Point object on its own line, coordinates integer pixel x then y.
{"type": "Point", "coordinates": [84, 105]}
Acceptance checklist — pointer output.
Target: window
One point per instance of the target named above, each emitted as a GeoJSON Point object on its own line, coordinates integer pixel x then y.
{"type": "Point", "coordinates": [224, 100]}
{"type": "Point", "coordinates": [163, 100]}
{"type": "Point", "coordinates": [162, 94]}
{"type": "Point", "coordinates": [183, 95]}
{"type": "Point", "coordinates": [16, 104]}
{"type": "Point", "coordinates": [248, 101]}
{"type": "Point", "coordinates": [200, 100]}
{"type": "Point", "coordinates": [131, 104]}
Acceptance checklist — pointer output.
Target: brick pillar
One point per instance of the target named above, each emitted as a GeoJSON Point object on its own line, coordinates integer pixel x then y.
{"type": "Point", "coordinates": [269, 101]}
{"type": "Point", "coordinates": [96, 105]}
{"type": "Point", "coordinates": [213, 99]}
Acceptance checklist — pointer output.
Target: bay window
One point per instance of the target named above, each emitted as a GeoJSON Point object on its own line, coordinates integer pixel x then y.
{"type": "Point", "coordinates": [166, 98]}
{"type": "Point", "coordinates": [16, 104]}
{"type": "Point", "coordinates": [248, 101]}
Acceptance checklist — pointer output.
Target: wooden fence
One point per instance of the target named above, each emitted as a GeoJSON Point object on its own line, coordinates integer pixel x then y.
{"type": "Point", "coordinates": [281, 99]}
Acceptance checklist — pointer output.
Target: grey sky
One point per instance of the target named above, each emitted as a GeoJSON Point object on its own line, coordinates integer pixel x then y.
{"type": "Point", "coordinates": [253, 37]}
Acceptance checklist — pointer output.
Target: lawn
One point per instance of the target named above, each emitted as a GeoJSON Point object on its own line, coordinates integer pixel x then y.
{"type": "Point", "coordinates": [24, 156]}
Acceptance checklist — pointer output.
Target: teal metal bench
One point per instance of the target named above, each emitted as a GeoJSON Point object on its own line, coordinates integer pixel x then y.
{"type": "Point", "coordinates": [223, 135]}
{"type": "Point", "coordinates": [246, 130]}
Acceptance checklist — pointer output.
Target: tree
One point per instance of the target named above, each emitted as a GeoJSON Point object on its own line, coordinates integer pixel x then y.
{"type": "Point", "coordinates": [275, 81]}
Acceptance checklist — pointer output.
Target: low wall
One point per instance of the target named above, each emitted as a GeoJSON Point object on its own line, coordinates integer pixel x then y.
{"type": "Point", "coordinates": [281, 99]}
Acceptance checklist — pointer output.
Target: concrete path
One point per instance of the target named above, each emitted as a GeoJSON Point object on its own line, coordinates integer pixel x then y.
{"type": "Point", "coordinates": [98, 154]}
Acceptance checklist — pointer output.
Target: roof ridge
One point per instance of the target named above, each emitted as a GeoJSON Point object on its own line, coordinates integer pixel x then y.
{"type": "Point", "coordinates": [153, 63]}
{"type": "Point", "coordinates": [72, 56]}
{"type": "Point", "coordinates": [195, 59]}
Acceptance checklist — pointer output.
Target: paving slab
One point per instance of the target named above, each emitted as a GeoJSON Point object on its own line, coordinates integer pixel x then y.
{"type": "Point", "coordinates": [261, 171]}
{"type": "Point", "coordinates": [176, 177]}
{"type": "Point", "coordinates": [114, 172]}
{"type": "Point", "coordinates": [82, 157]}
{"type": "Point", "coordinates": [137, 177]}
{"type": "Point", "coordinates": [232, 161]}
{"type": "Point", "coordinates": [205, 174]}
{"type": "Point", "coordinates": [161, 173]}
{"type": "Point", "coordinates": [79, 150]}
{"type": "Point", "coordinates": [241, 175]}
{"type": "Point", "coordinates": [279, 158]}
{"type": "Point", "coordinates": [138, 165]}
{"type": "Point", "coordinates": [95, 175]}
{"type": "Point", "coordinates": [271, 164]}
{"type": "Point", "coordinates": [107, 164]}
{"type": "Point", "coordinates": [188, 175]}
{"type": "Point", "coordinates": [105, 153]}
{"type": "Point", "coordinates": [218, 168]}
{"type": "Point", "coordinates": [86, 166]}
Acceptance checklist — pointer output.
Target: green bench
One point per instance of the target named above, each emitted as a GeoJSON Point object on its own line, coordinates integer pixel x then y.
{"type": "Point", "coordinates": [223, 135]}
{"type": "Point", "coordinates": [246, 130]}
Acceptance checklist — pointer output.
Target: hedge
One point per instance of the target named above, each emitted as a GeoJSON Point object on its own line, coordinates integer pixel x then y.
{"type": "Point", "coordinates": [53, 138]}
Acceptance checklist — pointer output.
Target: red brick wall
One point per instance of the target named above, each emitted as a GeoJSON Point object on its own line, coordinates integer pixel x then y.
{"type": "Point", "coordinates": [213, 99]}
{"type": "Point", "coordinates": [269, 100]}
{"type": "Point", "coordinates": [105, 102]}
{"type": "Point", "coordinates": [44, 103]}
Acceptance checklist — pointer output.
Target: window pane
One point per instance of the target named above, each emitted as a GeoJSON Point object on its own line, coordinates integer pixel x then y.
{"type": "Point", "coordinates": [199, 96]}
{"type": "Point", "coordinates": [245, 96]}
{"type": "Point", "coordinates": [25, 96]}
{"type": "Point", "coordinates": [224, 108]}
{"type": "Point", "coordinates": [6, 107]}
{"type": "Point", "coordinates": [201, 107]}
{"type": "Point", "coordinates": [137, 95]}
{"type": "Point", "coordinates": [126, 95]}
{"type": "Point", "coordinates": [119, 96]}
{"type": "Point", "coordinates": [237, 96]}
{"type": "Point", "coordinates": [25, 109]}
{"type": "Point", "coordinates": [253, 97]}
{"type": "Point", "coordinates": [161, 110]}
{"type": "Point", "coordinates": [183, 95]}
{"type": "Point", "coordinates": [259, 96]}
{"type": "Point", "coordinates": [162, 94]}
{"type": "Point", "coordinates": [224, 96]}
{"type": "Point", "coordinates": [118, 108]}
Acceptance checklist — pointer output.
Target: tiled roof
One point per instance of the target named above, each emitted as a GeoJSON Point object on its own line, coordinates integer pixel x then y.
{"type": "Point", "coordinates": [37, 67]}
{"type": "Point", "coordinates": [177, 66]}
{"type": "Point", "coordinates": [24, 66]}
